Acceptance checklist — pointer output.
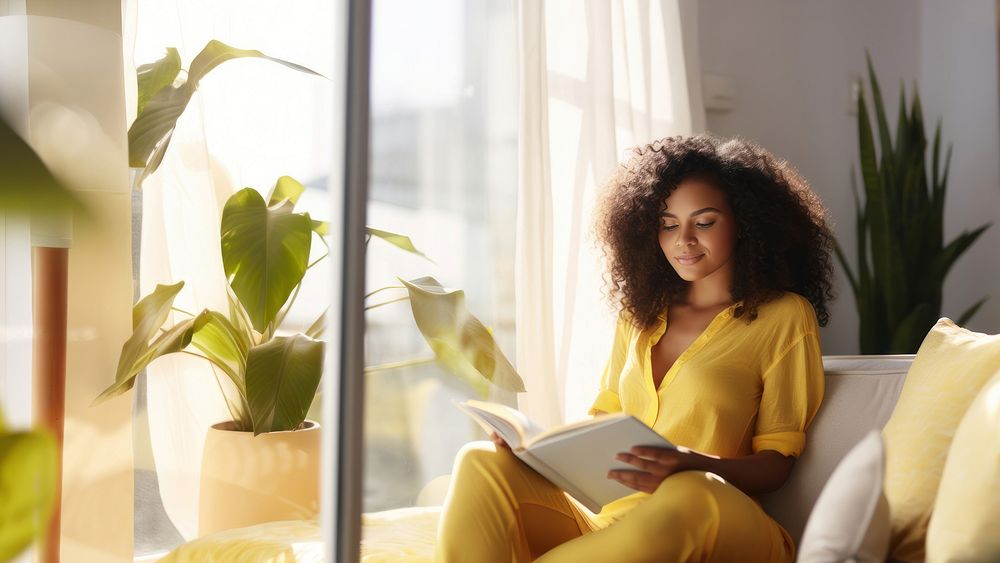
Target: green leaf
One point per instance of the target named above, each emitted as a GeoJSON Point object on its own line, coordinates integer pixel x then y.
{"type": "Point", "coordinates": [265, 252]}
{"type": "Point", "coordinates": [239, 318]}
{"type": "Point", "coordinates": [282, 377]}
{"type": "Point", "coordinates": [28, 474]}
{"type": "Point", "coordinates": [151, 311]}
{"type": "Point", "coordinates": [27, 184]}
{"type": "Point", "coordinates": [912, 174]}
{"type": "Point", "coordinates": [970, 312]}
{"type": "Point", "coordinates": [910, 332]}
{"type": "Point", "coordinates": [883, 127]}
{"type": "Point", "coordinates": [321, 228]}
{"type": "Point", "coordinates": [941, 264]}
{"type": "Point", "coordinates": [318, 327]}
{"type": "Point", "coordinates": [934, 220]}
{"type": "Point", "coordinates": [223, 344]}
{"type": "Point", "coordinates": [902, 126]}
{"type": "Point", "coordinates": [286, 188]}
{"type": "Point", "coordinates": [148, 315]}
{"type": "Point", "coordinates": [175, 339]}
{"type": "Point", "coordinates": [936, 155]}
{"type": "Point", "coordinates": [885, 258]}
{"type": "Point", "coordinates": [149, 135]}
{"type": "Point", "coordinates": [155, 76]}
{"type": "Point", "coordinates": [397, 240]}
{"type": "Point", "coordinates": [460, 342]}
{"type": "Point", "coordinates": [864, 276]}
{"type": "Point", "coordinates": [216, 52]}
{"type": "Point", "coordinates": [936, 213]}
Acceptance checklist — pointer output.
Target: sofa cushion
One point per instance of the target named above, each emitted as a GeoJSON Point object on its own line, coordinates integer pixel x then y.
{"type": "Point", "coordinates": [850, 521]}
{"type": "Point", "coordinates": [963, 527]}
{"type": "Point", "coordinates": [860, 394]}
{"type": "Point", "coordinates": [950, 368]}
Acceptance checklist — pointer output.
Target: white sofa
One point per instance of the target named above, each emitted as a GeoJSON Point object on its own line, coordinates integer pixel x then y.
{"type": "Point", "coordinates": [861, 392]}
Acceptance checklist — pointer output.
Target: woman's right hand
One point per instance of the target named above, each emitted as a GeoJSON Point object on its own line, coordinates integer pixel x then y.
{"type": "Point", "coordinates": [499, 442]}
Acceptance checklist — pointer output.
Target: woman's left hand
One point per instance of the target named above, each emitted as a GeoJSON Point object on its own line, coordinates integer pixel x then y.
{"type": "Point", "coordinates": [653, 466]}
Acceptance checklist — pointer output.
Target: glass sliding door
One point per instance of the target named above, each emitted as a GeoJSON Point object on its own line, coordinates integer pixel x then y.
{"type": "Point", "coordinates": [443, 172]}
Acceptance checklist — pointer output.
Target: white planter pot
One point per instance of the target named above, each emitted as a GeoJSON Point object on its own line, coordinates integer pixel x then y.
{"type": "Point", "coordinates": [248, 480]}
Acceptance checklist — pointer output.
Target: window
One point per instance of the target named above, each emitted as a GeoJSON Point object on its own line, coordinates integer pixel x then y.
{"type": "Point", "coordinates": [443, 170]}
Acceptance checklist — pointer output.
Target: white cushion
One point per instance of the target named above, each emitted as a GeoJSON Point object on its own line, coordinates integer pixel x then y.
{"type": "Point", "coordinates": [850, 521]}
{"type": "Point", "coordinates": [861, 392]}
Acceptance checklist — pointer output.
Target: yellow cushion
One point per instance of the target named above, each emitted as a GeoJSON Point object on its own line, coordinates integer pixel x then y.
{"type": "Point", "coordinates": [950, 368]}
{"type": "Point", "coordinates": [963, 526]}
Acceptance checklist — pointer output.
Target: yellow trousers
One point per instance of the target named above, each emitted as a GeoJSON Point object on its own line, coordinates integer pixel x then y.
{"type": "Point", "coordinates": [499, 510]}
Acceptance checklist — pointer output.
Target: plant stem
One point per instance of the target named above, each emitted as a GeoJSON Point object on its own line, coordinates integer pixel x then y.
{"type": "Point", "coordinates": [216, 365]}
{"type": "Point", "coordinates": [179, 310]}
{"type": "Point", "coordinates": [237, 417]}
{"type": "Point", "coordinates": [387, 302]}
{"type": "Point", "coordinates": [240, 312]}
{"type": "Point", "coordinates": [283, 313]}
{"type": "Point", "coordinates": [317, 260]}
{"type": "Point", "coordinates": [367, 295]}
{"type": "Point", "coordinates": [397, 365]}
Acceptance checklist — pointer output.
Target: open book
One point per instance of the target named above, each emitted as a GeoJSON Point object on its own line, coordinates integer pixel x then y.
{"type": "Point", "coordinates": [575, 457]}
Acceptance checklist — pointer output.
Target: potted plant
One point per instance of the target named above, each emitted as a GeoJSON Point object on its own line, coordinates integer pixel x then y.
{"type": "Point", "coordinates": [902, 258]}
{"type": "Point", "coordinates": [263, 464]}
{"type": "Point", "coordinates": [163, 94]}
{"type": "Point", "coordinates": [268, 379]}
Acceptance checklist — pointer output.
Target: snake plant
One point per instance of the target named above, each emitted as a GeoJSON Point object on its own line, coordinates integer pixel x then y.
{"type": "Point", "coordinates": [901, 254]}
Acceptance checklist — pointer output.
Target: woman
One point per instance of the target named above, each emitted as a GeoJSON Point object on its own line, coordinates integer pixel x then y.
{"type": "Point", "coordinates": [719, 260]}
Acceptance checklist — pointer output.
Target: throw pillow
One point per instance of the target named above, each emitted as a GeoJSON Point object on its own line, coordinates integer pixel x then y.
{"type": "Point", "coordinates": [950, 368]}
{"type": "Point", "coordinates": [966, 513]}
{"type": "Point", "coordinates": [850, 520]}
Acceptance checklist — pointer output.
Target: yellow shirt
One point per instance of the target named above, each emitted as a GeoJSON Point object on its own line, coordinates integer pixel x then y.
{"type": "Point", "coordinates": [737, 389]}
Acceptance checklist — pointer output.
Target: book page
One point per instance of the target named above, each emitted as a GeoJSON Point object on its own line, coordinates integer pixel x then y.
{"type": "Point", "coordinates": [556, 479]}
{"type": "Point", "coordinates": [584, 456]}
{"type": "Point", "coordinates": [573, 428]}
{"type": "Point", "coordinates": [511, 419]}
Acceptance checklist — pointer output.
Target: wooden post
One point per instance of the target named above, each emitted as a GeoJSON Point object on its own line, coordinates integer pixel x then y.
{"type": "Point", "coordinates": [51, 267]}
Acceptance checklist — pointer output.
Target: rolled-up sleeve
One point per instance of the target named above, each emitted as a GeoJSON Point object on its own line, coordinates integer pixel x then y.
{"type": "Point", "coordinates": [793, 391]}
{"type": "Point", "coordinates": [607, 398]}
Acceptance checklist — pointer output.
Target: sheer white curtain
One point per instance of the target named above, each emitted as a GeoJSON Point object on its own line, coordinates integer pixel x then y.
{"type": "Point", "coordinates": [250, 122]}
{"type": "Point", "coordinates": [15, 320]}
{"type": "Point", "coordinates": [597, 78]}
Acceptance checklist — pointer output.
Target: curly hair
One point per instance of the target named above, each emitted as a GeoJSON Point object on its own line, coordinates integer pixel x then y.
{"type": "Point", "coordinates": [782, 240]}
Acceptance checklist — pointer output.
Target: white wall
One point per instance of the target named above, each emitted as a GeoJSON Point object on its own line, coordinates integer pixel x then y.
{"type": "Point", "coordinates": [958, 82]}
{"type": "Point", "coordinates": [791, 64]}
